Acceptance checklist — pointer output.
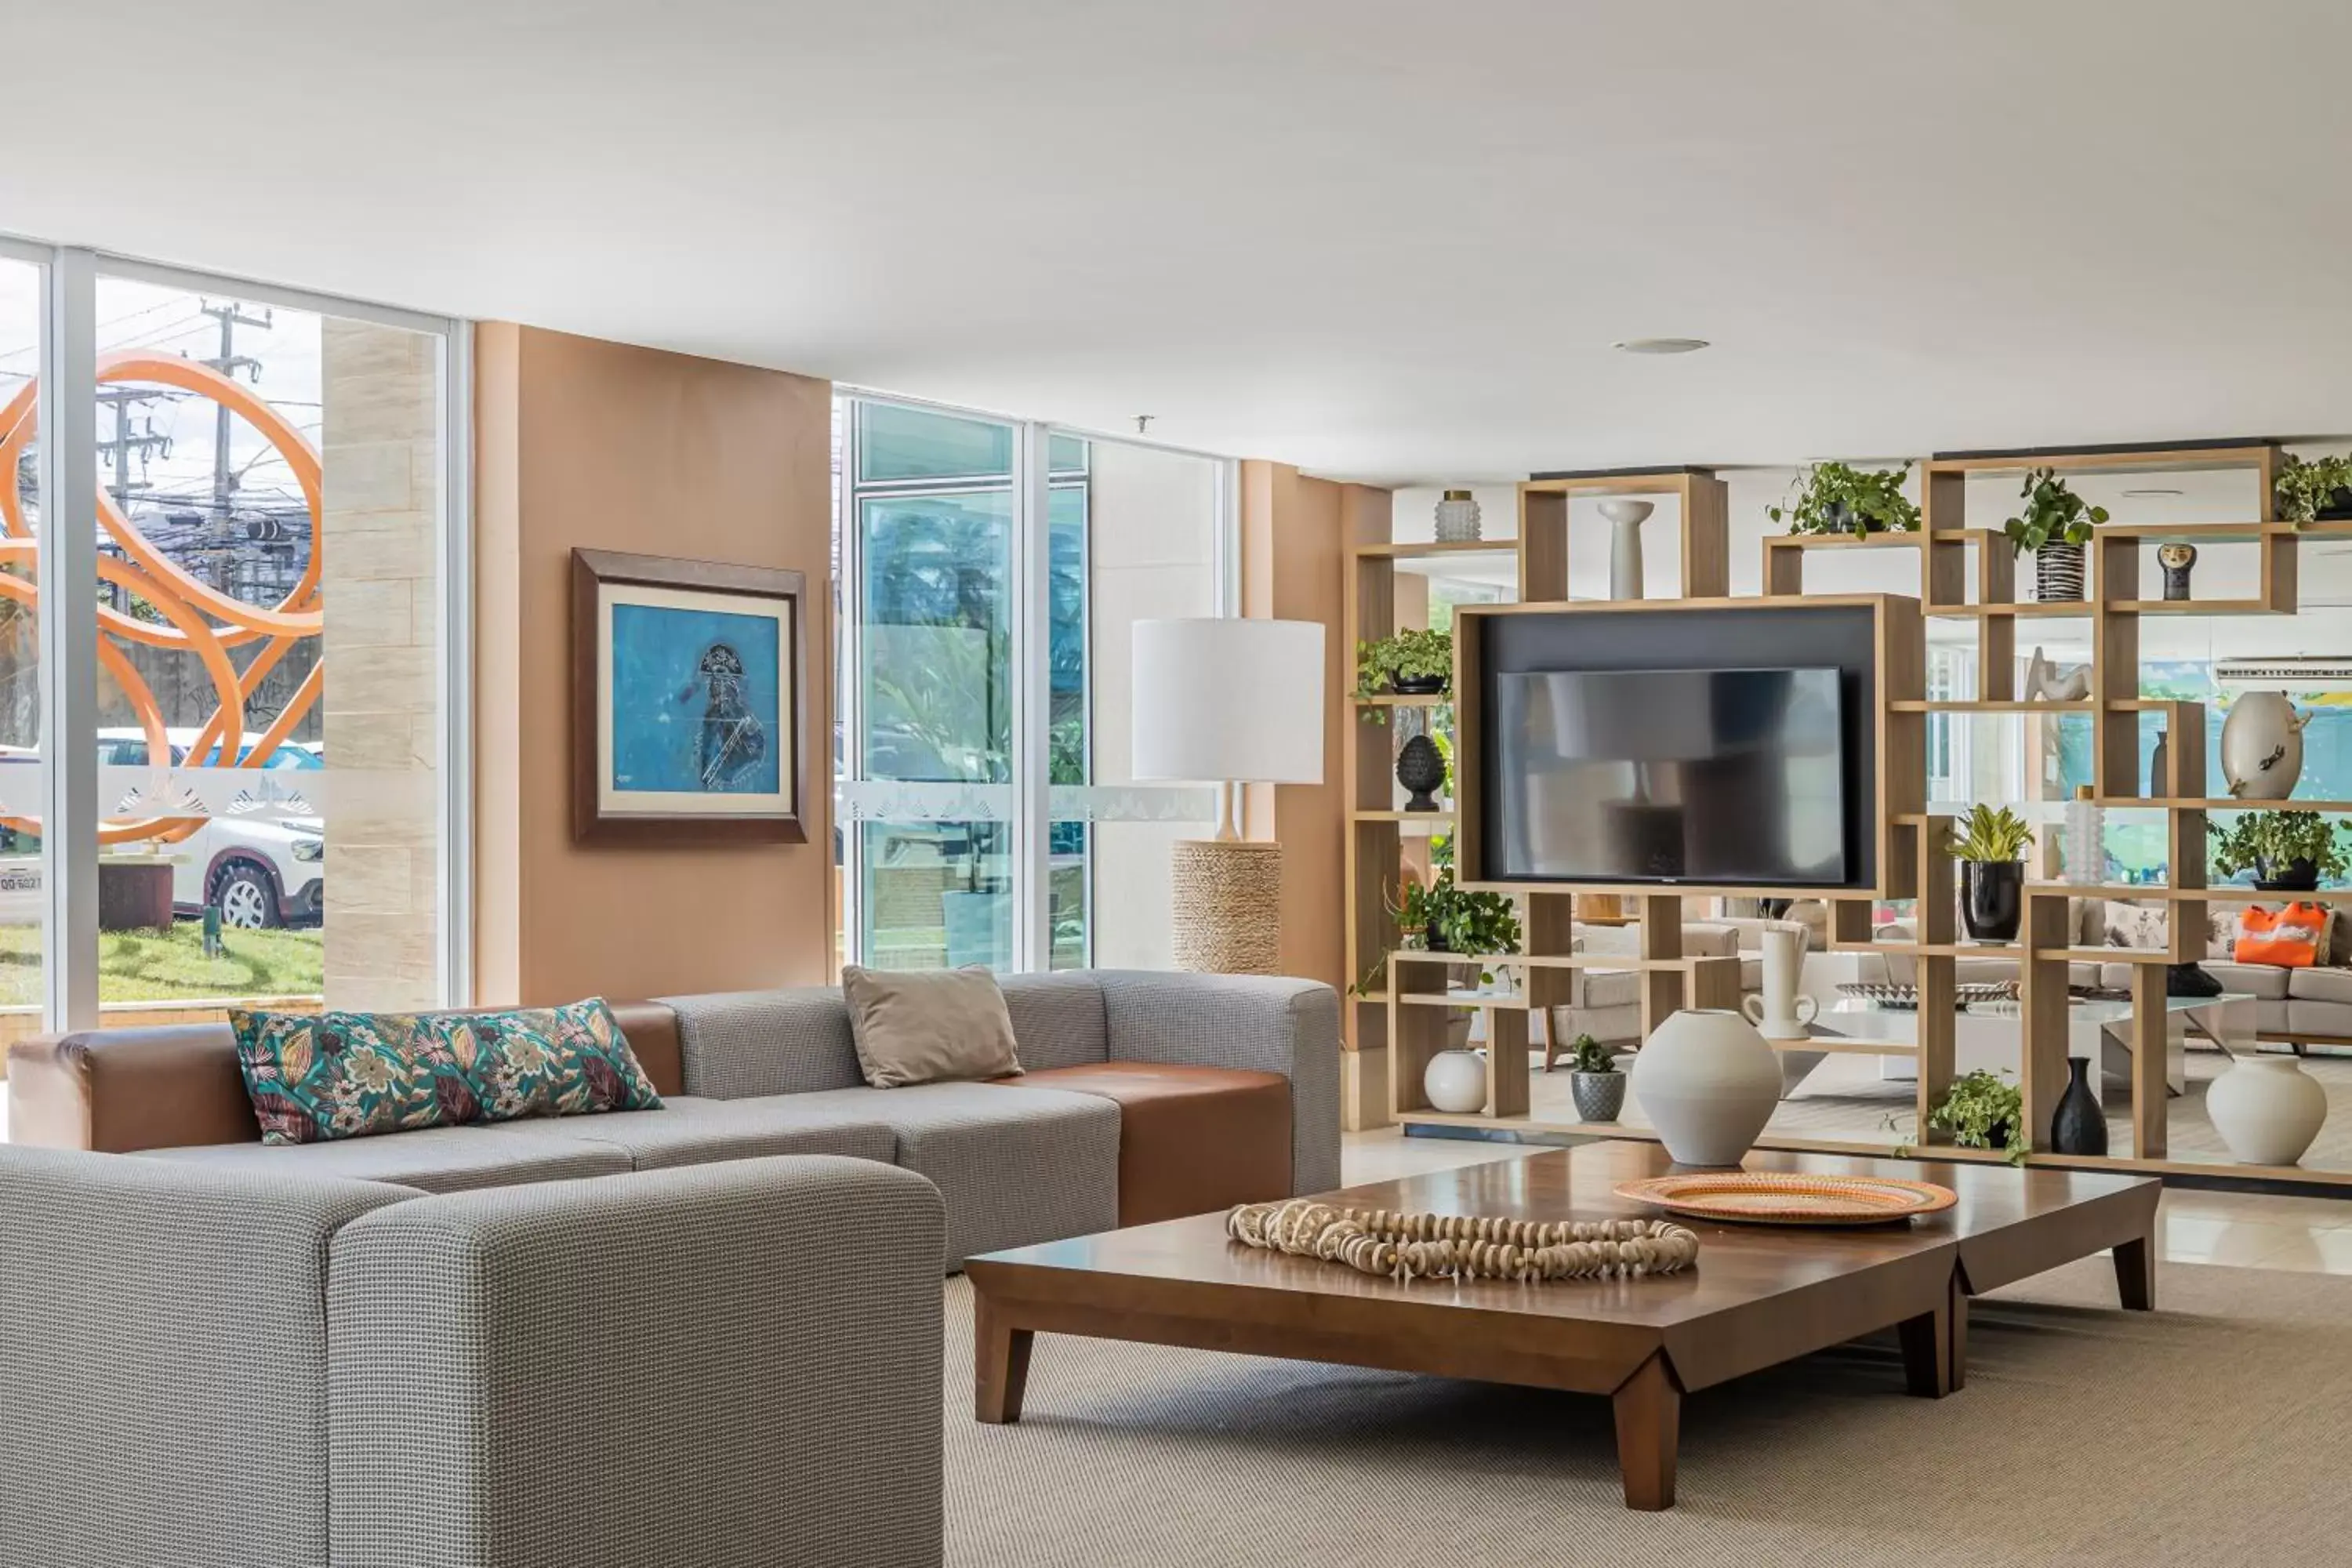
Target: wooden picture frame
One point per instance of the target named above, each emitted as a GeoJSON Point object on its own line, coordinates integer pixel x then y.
{"type": "Point", "coordinates": [690, 701]}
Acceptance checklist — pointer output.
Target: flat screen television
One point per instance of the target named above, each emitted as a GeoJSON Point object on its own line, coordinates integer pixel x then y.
{"type": "Point", "coordinates": [1730, 777]}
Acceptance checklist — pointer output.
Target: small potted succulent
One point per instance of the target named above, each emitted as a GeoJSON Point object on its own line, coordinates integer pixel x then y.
{"type": "Point", "coordinates": [1835, 498]}
{"type": "Point", "coordinates": [1595, 1082]}
{"type": "Point", "coordinates": [1410, 663]}
{"type": "Point", "coordinates": [2319, 490]}
{"type": "Point", "coordinates": [1990, 844]}
{"type": "Point", "coordinates": [2287, 851]}
{"type": "Point", "coordinates": [2055, 524]}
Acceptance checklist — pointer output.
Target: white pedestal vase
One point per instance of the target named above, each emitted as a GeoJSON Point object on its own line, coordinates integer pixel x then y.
{"type": "Point", "coordinates": [1625, 520]}
{"type": "Point", "coordinates": [2267, 1109]}
{"type": "Point", "coordinates": [1455, 1081]}
{"type": "Point", "coordinates": [1779, 1012]}
{"type": "Point", "coordinates": [1707, 1082]}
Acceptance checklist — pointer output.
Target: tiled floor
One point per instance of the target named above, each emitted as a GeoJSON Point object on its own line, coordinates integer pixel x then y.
{"type": "Point", "coordinates": [2305, 1234]}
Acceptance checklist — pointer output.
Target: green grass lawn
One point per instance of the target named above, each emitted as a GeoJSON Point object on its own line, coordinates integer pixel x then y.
{"type": "Point", "coordinates": [158, 966]}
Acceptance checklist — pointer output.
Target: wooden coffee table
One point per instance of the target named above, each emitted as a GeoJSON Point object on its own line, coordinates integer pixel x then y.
{"type": "Point", "coordinates": [1758, 1296]}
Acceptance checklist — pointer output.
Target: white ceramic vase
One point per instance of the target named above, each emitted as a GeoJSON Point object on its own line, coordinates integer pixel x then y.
{"type": "Point", "coordinates": [1455, 1081]}
{"type": "Point", "coordinates": [1625, 519]}
{"type": "Point", "coordinates": [2262, 746]}
{"type": "Point", "coordinates": [1708, 1083]}
{"type": "Point", "coordinates": [1777, 1010]}
{"type": "Point", "coordinates": [2267, 1109]}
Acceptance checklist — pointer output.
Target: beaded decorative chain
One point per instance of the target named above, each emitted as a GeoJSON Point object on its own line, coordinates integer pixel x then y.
{"type": "Point", "coordinates": [1465, 1246]}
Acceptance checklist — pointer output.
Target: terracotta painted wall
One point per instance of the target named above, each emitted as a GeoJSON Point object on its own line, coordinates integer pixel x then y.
{"type": "Point", "coordinates": [583, 443]}
{"type": "Point", "coordinates": [1295, 534]}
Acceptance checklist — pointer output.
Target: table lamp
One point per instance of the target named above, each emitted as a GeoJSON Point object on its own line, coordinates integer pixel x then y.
{"type": "Point", "coordinates": [1228, 702]}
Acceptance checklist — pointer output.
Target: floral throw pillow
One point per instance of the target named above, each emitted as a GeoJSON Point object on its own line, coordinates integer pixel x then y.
{"type": "Point", "coordinates": [549, 1061]}
{"type": "Point", "coordinates": [349, 1075]}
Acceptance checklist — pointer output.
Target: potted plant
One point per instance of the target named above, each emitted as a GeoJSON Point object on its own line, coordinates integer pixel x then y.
{"type": "Point", "coordinates": [1594, 1080]}
{"type": "Point", "coordinates": [1981, 1111]}
{"type": "Point", "coordinates": [2314, 492]}
{"type": "Point", "coordinates": [1410, 663]}
{"type": "Point", "coordinates": [2055, 524]}
{"type": "Point", "coordinates": [2287, 851]}
{"type": "Point", "coordinates": [1835, 498]}
{"type": "Point", "coordinates": [1990, 844]}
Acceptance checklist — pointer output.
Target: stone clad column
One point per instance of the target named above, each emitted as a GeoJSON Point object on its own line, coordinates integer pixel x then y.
{"type": "Point", "coordinates": [383, 470]}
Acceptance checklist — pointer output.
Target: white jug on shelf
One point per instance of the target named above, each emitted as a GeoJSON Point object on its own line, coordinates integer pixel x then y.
{"type": "Point", "coordinates": [1777, 1012]}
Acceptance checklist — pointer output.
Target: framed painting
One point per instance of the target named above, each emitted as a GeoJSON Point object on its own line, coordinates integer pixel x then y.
{"type": "Point", "coordinates": [688, 702]}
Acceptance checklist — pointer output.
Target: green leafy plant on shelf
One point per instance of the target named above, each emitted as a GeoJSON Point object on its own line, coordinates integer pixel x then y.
{"type": "Point", "coordinates": [1447, 919]}
{"type": "Point", "coordinates": [2052, 514]}
{"type": "Point", "coordinates": [1837, 498]}
{"type": "Point", "coordinates": [1409, 655]}
{"type": "Point", "coordinates": [1981, 1111]}
{"type": "Point", "coordinates": [1588, 1055]}
{"type": "Point", "coordinates": [2267, 842]}
{"type": "Point", "coordinates": [2305, 489]}
{"type": "Point", "coordinates": [1990, 834]}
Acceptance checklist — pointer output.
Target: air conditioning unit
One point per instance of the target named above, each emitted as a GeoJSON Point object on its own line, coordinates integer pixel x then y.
{"type": "Point", "coordinates": [2288, 672]}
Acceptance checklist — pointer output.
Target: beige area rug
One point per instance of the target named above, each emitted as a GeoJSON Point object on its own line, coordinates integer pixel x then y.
{"type": "Point", "coordinates": [2213, 1433]}
{"type": "Point", "coordinates": [1845, 1099]}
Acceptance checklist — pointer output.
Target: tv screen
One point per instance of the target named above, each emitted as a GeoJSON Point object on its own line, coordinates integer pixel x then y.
{"type": "Point", "coordinates": [1709, 776]}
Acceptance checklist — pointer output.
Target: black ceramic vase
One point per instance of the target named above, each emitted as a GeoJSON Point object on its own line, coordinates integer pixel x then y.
{"type": "Point", "coordinates": [2080, 1127]}
{"type": "Point", "coordinates": [1420, 768]}
{"type": "Point", "coordinates": [1993, 898]}
{"type": "Point", "coordinates": [2300, 876]}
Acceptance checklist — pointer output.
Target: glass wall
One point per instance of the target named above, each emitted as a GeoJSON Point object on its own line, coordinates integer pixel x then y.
{"type": "Point", "coordinates": [270, 513]}
{"type": "Point", "coordinates": [938, 553]}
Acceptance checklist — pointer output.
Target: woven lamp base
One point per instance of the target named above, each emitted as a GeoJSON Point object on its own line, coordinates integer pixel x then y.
{"type": "Point", "coordinates": [1227, 915]}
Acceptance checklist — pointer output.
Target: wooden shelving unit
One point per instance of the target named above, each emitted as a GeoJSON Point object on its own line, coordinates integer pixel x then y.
{"type": "Point", "coordinates": [1965, 574]}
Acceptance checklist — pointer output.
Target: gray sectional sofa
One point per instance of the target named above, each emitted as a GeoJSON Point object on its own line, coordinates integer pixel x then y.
{"type": "Point", "coordinates": [708, 1334]}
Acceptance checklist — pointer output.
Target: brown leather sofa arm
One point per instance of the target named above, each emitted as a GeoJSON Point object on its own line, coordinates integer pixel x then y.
{"type": "Point", "coordinates": [168, 1086]}
{"type": "Point", "coordinates": [121, 1090]}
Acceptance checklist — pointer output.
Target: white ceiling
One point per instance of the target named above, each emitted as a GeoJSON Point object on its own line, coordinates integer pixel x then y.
{"type": "Point", "coordinates": [1382, 240]}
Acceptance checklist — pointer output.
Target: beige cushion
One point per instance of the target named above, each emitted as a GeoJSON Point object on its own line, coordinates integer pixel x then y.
{"type": "Point", "coordinates": [2318, 985]}
{"type": "Point", "coordinates": [928, 1026]}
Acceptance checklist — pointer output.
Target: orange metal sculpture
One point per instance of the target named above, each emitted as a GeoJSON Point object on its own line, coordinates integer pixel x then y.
{"type": "Point", "coordinates": [200, 619]}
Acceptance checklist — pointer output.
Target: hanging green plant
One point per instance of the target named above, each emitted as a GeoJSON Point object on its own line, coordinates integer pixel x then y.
{"type": "Point", "coordinates": [2052, 514]}
{"type": "Point", "coordinates": [2305, 489]}
{"type": "Point", "coordinates": [1835, 498]}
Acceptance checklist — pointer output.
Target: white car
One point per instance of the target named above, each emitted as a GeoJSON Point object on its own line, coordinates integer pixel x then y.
{"type": "Point", "coordinates": [261, 872]}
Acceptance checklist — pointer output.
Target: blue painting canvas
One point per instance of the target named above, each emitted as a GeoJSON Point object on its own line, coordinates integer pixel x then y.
{"type": "Point", "coordinates": [697, 708]}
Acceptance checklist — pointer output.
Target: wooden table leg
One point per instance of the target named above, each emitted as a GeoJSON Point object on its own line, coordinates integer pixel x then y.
{"type": "Point", "coordinates": [1959, 1334]}
{"type": "Point", "coordinates": [1000, 1363]}
{"type": "Point", "coordinates": [2136, 1274]}
{"type": "Point", "coordinates": [1928, 1349]}
{"type": "Point", "coordinates": [1649, 1409]}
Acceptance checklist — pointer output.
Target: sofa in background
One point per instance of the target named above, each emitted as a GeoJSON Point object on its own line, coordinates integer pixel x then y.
{"type": "Point", "coordinates": [256, 1365]}
{"type": "Point", "coordinates": [1147, 1096]}
{"type": "Point", "coordinates": [1607, 1002]}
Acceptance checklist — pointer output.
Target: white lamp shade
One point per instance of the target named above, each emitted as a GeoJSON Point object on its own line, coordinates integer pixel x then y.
{"type": "Point", "coordinates": [1220, 700]}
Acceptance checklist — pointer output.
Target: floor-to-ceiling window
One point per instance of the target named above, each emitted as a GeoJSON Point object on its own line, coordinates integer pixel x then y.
{"type": "Point", "coordinates": [258, 705]}
{"type": "Point", "coordinates": [989, 573]}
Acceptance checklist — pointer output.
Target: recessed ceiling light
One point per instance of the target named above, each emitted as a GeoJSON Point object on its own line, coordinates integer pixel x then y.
{"type": "Point", "coordinates": [1660, 345]}
{"type": "Point", "coordinates": [2158, 491]}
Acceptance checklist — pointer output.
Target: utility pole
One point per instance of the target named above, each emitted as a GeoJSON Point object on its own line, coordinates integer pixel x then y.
{"type": "Point", "coordinates": [118, 452]}
{"type": "Point", "coordinates": [220, 530]}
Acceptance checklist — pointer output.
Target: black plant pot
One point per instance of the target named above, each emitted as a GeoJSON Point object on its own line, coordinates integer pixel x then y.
{"type": "Point", "coordinates": [1993, 898]}
{"type": "Point", "coordinates": [2080, 1127]}
{"type": "Point", "coordinates": [2339, 508]}
{"type": "Point", "coordinates": [1599, 1096]}
{"type": "Point", "coordinates": [2189, 980]}
{"type": "Point", "coordinates": [1434, 938]}
{"type": "Point", "coordinates": [1420, 768]}
{"type": "Point", "coordinates": [2301, 877]}
{"type": "Point", "coordinates": [1417, 685]}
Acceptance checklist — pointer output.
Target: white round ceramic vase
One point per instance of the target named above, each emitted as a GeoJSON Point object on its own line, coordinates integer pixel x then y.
{"type": "Point", "coordinates": [2267, 1109]}
{"type": "Point", "coordinates": [1707, 1082]}
{"type": "Point", "coordinates": [1455, 1081]}
{"type": "Point", "coordinates": [2261, 745]}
